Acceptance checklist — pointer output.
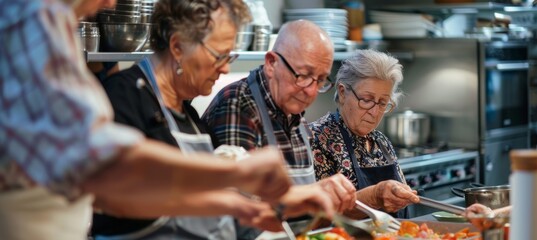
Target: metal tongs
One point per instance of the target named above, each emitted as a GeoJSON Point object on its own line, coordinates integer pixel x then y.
{"type": "Point", "coordinates": [285, 225]}
{"type": "Point", "coordinates": [442, 206]}
{"type": "Point", "coordinates": [278, 209]}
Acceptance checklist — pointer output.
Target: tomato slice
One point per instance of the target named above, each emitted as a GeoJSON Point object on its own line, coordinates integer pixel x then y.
{"type": "Point", "coordinates": [409, 228]}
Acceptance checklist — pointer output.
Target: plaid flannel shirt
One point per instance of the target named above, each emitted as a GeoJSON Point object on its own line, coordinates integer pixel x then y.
{"type": "Point", "coordinates": [56, 122]}
{"type": "Point", "coordinates": [234, 117]}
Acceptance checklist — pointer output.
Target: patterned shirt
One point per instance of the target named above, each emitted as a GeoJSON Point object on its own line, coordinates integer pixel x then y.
{"type": "Point", "coordinates": [56, 122]}
{"type": "Point", "coordinates": [234, 117]}
{"type": "Point", "coordinates": [331, 155]}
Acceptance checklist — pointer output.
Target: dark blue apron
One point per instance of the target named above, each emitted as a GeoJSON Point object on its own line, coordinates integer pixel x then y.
{"type": "Point", "coordinates": [370, 176]}
{"type": "Point", "coordinates": [300, 176]}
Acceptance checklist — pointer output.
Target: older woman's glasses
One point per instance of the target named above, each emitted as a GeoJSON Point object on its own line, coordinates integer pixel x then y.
{"type": "Point", "coordinates": [369, 104]}
{"type": "Point", "coordinates": [304, 81]}
{"type": "Point", "coordinates": [221, 59]}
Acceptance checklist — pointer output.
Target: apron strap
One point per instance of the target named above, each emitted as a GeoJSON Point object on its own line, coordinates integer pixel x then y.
{"type": "Point", "coordinates": [147, 69]}
{"type": "Point", "coordinates": [348, 146]}
{"type": "Point", "coordinates": [263, 111]}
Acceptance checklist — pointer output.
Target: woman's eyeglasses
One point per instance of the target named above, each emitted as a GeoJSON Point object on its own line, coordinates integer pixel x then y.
{"type": "Point", "coordinates": [304, 81]}
{"type": "Point", "coordinates": [369, 104]}
{"type": "Point", "coordinates": [221, 59]}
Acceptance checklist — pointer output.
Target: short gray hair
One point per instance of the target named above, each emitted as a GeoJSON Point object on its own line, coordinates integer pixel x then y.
{"type": "Point", "coordinates": [369, 63]}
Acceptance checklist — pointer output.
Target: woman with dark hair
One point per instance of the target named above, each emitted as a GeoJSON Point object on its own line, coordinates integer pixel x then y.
{"type": "Point", "coordinates": [192, 41]}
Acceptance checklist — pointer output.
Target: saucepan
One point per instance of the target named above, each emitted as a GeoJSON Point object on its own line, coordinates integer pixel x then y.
{"type": "Point", "coordinates": [490, 196]}
{"type": "Point", "coordinates": [408, 129]}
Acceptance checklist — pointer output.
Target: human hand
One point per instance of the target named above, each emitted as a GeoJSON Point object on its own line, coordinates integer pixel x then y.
{"type": "Point", "coordinates": [304, 199]}
{"type": "Point", "coordinates": [263, 174]}
{"type": "Point", "coordinates": [476, 209]}
{"type": "Point", "coordinates": [250, 211]}
{"type": "Point", "coordinates": [392, 195]}
{"type": "Point", "coordinates": [299, 200]}
{"type": "Point", "coordinates": [340, 190]}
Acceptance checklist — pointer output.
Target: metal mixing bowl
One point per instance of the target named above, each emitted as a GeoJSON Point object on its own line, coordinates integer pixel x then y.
{"type": "Point", "coordinates": [123, 37]}
{"type": "Point", "coordinates": [128, 7]}
{"type": "Point", "coordinates": [104, 17]}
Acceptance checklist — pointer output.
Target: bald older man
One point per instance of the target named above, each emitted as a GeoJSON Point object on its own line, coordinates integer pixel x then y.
{"type": "Point", "coordinates": [267, 107]}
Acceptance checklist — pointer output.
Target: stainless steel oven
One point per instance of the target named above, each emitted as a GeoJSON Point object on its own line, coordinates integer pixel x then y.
{"type": "Point", "coordinates": [505, 88]}
{"type": "Point", "coordinates": [504, 106]}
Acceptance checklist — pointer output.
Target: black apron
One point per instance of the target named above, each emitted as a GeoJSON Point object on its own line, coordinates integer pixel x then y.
{"type": "Point", "coordinates": [366, 177]}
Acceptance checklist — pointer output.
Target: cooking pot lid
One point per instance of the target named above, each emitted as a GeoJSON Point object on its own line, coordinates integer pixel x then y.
{"type": "Point", "coordinates": [409, 114]}
{"type": "Point", "coordinates": [489, 188]}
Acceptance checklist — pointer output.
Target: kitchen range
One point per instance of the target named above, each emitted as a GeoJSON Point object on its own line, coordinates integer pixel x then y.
{"type": "Point", "coordinates": [433, 171]}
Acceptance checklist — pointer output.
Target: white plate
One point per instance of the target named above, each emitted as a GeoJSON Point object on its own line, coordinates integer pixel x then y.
{"type": "Point", "coordinates": [337, 19]}
{"type": "Point", "coordinates": [315, 11]}
{"type": "Point", "coordinates": [377, 16]}
{"type": "Point", "coordinates": [408, 25]}
{"type": "Point", "coordinates": [404, 32]}
{"type": "Point", "coordinates": [319, 22]}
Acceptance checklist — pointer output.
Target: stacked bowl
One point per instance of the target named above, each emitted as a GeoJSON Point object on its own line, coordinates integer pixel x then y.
{"type": "Point", "coordinates": [126, 27]}
{"type": "Point", "coordinates": [332, 20]}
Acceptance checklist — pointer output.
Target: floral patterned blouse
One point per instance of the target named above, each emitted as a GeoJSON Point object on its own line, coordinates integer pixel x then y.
{"type": "Point", "coordinates": [331, 155]}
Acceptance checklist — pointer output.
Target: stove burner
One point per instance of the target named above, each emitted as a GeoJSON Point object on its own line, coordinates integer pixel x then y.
{"type": "Point", "coordinates": [422, 150]}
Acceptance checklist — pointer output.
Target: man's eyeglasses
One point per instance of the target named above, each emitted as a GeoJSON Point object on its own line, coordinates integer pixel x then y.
{"type": "Point", "coordinates": [304, 81]}
{"type": "Point", "coordinates": [221, 59]}
{"type": "Point", "coordinates": [369, 104]}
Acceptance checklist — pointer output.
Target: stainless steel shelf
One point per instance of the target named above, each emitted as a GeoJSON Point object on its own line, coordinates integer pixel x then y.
{"type": "Point", "coordinates": [431, 8]}
{"type": "Point", "coordinates": [115, 56]}
{"type": "Point", "coordinates": [243, 56]}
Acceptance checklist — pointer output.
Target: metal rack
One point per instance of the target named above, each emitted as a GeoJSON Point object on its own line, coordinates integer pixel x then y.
{"type": "Point", "coordinates": [447, 8]}
{"type": "Point", "coordinates": [243, 56]}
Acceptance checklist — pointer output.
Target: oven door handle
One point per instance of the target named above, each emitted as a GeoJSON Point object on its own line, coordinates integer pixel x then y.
{"type": "Point", "coordinates": [509, 66]}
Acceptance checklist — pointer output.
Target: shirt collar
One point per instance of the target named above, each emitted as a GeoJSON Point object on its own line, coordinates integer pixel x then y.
{"type": "Point", "coordinates": [274, 110]}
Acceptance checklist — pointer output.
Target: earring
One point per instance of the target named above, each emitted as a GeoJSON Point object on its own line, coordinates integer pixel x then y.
{"type": "Point", "coordinates": [179, 70]}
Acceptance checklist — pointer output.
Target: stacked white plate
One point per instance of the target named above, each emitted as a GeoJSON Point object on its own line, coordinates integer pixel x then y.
{"type": "Point", "coordinates": [332, 20]}
{"type": "Point", "coordinates": [402, 25]}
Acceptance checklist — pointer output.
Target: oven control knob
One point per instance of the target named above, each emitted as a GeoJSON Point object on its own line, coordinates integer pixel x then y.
{"type": "Point", "coordinates": [425, 179]}
{"type": "Point", "coordinates": [437, 176]}
{"type": "Point", "coordinates": [470, 170]}
{"type": "Point", "coordinates": [457, 173]}
{"type": "Point", "coordinates": [411, 182]}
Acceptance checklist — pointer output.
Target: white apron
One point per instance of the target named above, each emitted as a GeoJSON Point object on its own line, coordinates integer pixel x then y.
{"type": "Point", "coordinates": [36, 213]}
{"type": "Point", "coordinates": [217, 228]}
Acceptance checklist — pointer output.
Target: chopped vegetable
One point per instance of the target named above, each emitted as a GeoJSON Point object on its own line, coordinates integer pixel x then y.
{"type": "Point", "coordinates": [412, 230]}
{"type": "Point", "coordinates": [336, 233]}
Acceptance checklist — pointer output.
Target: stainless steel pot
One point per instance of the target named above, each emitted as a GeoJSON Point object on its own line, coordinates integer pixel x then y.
{"type": "Point", "coordinates": [408, 129]}
{"type": "Point", "coordinates": [493, 197]}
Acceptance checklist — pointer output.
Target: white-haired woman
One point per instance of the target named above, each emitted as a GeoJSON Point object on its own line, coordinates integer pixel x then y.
{"type": "Point", "coordinates": [347, 141]}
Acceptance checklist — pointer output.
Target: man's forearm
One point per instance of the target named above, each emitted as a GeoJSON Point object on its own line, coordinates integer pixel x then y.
{"type": "Point", "coordinates": [152, 171]}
